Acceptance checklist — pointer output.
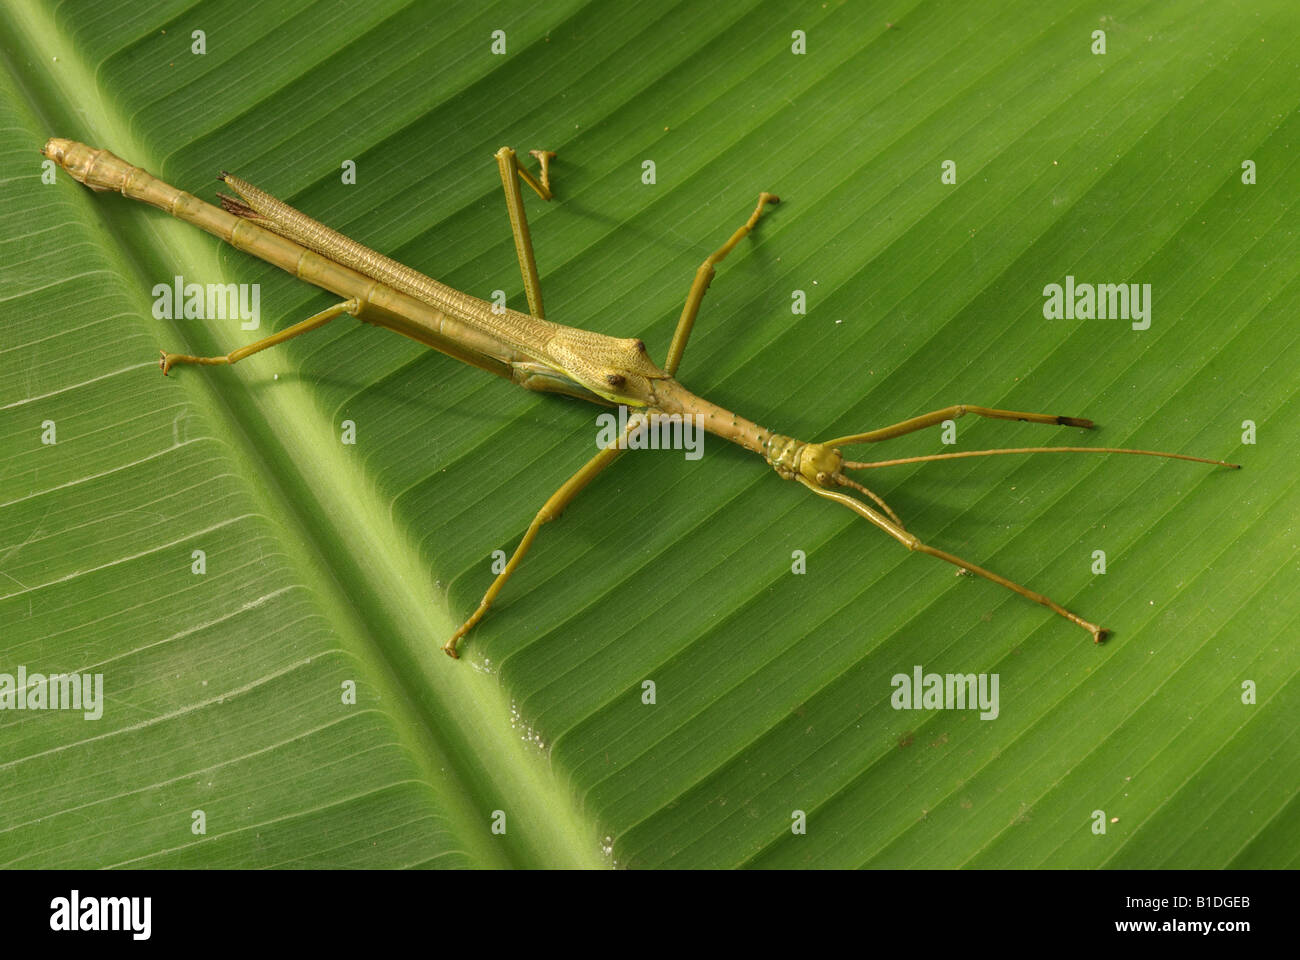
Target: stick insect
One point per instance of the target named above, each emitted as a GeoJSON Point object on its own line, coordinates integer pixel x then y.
{"type": "Point", "coordinates": [538, 354]}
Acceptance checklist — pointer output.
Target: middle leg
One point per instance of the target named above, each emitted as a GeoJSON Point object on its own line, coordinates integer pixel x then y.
{"type": "Point", "coordinates": [703, 277]}
{"type": "Point", "coordinates": [512, 171]}
{"type": "Point", "coordinates": [551, 509]}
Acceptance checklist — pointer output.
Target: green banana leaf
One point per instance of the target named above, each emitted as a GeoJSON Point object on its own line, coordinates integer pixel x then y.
{"type": "Point", "coordinates": [695, 666]}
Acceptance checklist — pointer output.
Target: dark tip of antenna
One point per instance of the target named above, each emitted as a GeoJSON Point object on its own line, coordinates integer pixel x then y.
{"type": "Point", "coordinates": [1075, 422]}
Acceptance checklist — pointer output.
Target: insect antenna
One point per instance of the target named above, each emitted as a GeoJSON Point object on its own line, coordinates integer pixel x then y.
{"type": "Point", "coordinates": [844, 481]}
{"type": "Point", "coordinates": [872, 464]}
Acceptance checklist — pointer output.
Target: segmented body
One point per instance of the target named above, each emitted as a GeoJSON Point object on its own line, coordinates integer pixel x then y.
{"type": "Point", "coordinates": [531, 351]}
